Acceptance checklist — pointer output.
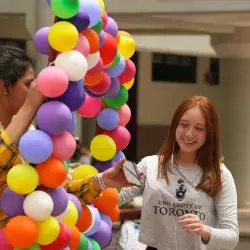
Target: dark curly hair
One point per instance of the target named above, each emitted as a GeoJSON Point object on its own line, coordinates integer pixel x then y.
{"type": "Point", "coordinates": [13, 64]}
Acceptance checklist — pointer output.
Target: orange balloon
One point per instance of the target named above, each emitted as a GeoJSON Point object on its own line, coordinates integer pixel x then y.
{"type": "Point", "coordinates": [117, 38]}
{"type": "Point", "coordinates": [85, 219]}
{"type": "Point", "coordinates": [75, 238]}
{"type": "Point", "coordinates": [115, 214]}
{"type": "Point", "coordinates": [21, 232]}
{"type": "Point", "coordinates": [93, 39]}
{"type": "Point", "coordinates": [107, 201]}
{"type": "Point", "coordinates": [91, 80]}
{"type": "Point", "coordinates": [52, 173]}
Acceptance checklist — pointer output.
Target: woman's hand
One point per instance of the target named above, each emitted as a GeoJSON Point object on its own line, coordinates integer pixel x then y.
{"type": "Point", "coordinates": [191, 224]}
{"type": "Point", "coordinates": [113, 177]}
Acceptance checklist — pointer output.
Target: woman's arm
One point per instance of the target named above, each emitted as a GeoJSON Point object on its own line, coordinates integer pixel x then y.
{"type": "Point", "coordinates": [226, 236]}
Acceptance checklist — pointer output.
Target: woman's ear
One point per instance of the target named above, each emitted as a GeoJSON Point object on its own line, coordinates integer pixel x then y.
{"type": "Point", "coordinates": [4, 87]}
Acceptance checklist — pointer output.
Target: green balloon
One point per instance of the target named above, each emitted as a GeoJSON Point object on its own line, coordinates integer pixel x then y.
{"type": "Point", "coordinates": [95, 245]}
{"type": "Point", "coordinates": [34, 247]}
{"type": "Point", "coordinates": [98, 27]}
{"type": "Point", "coordinates": [83, 243]}
{"type": "Point", "coordinates": [119, 190]}
{"type": "Point", "coordinates": [117, 59]}
{"type": "Point", "coordinates": [65, 8]}
{"type": "Point", "coordinates": [118, 101]}
{"type": "Point", "coordinates": [66, 164]}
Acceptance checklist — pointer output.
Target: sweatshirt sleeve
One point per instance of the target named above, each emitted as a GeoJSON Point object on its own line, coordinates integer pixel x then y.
{"type": "Point", "coordinates": [226, 236]}
{"type": "Point", "coordinates": [128, 193]}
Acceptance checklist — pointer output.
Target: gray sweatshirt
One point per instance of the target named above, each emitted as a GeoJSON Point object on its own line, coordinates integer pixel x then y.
{"type": "Point", "coordinates": [164, 203]}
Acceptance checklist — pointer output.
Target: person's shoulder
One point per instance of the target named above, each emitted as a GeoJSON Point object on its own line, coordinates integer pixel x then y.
{"type": "Point", "coordinates": [150, 158]}
{"type": "Point", "coordinates": [225, 172]}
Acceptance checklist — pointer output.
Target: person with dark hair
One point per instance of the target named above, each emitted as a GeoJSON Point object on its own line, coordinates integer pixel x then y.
{"type": "Point", "coordinates": [20, 97]}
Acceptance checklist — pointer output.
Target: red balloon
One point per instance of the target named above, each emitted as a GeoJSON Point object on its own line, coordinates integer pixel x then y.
{"type": "Point", "coordinates": [108, 50]}
{"type": "Point", "coordinates": [61, 241]}
{"type": "Point", "coordinates": [97, 69]}
{"type": "Point", "coordinates": [128, 73]}
{"type": "Point", "coordinates": [103, 86]}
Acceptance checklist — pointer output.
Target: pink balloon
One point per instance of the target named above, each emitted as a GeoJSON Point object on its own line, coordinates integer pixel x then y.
{"type": "Point", "coordinates": [52, 82]}
{"type": "Point", "coordinates": [104, 19]}
{"type": "Point", "coordinates": [121, 137]}
{"type": "Point", "coordinates": [4, 245]}
{"type": "Point", "coordinates": [91, 107]}
{"type": "Point", "coordinates": [128, 73]}
{"type": "Point", "coordinates": [64, 146]}
{"type": "Point", "coordinates": [97, 69]}
{"type": "Point", "coordinates": [103, 86]}
{"type": "Point", "coordinates": [124, 114]}
{"type": "Point", "coordinates": [82, 45]}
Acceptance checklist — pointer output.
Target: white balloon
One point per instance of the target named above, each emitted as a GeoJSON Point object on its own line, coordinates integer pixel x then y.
{"type": "Point", "coordinates": [38, 205]}
{"type": "Point", "coordinates": [62, 216]}
{"type": "Point", "coordinates": [73, 63]}
{"type": "Point", "coordinates": [93, 59]}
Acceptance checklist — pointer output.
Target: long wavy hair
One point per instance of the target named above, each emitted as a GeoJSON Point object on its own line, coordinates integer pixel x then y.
{"type": "Point", "coordinates": [210, 156]}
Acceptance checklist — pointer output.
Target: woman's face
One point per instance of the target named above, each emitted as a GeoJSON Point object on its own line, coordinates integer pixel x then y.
{"type": "Point", "coordinates": [18, 92]}
{"type": "Point", "coordinates": [191, 131]}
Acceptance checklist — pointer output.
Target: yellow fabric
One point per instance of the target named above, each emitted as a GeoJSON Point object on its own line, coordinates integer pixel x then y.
{"type": "Point", "coordinates": [9, 156]}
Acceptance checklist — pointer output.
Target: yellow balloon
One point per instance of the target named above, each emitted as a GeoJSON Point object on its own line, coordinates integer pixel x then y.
{"type": "Point", "coordinates": [48, 231]}
{"type": "Point", "coordinates": [128, 85]}
{"type": "Point", "coordinates": [103, 147]}
{"type": "Point", "coordinates": [72, 217]}
{"type": "Point", "coordinates": [83, 172]}
{"type": "Point", "coordinates": [126, 46]}
{"type": "Point", "coordinates": [102, 5]}
{"type": "Point", "coordinates": [22, 179]}
{"type": "Point", "coordinates": [63, 36]}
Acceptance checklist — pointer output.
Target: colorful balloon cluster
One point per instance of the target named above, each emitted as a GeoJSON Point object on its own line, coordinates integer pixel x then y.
{"type": "Point", "coordinates": [91, 74]}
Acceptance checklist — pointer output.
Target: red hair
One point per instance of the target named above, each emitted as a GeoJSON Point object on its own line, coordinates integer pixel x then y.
{"type": "Point", "coordinates": [210, 156]}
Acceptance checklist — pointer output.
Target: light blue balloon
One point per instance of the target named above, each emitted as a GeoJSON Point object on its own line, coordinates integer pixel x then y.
{"type": "Point", "coordinates": [118, 69]}
{"type": "Point", "coordinates": [35, 146]}
{"type": "Point", "coordinates": [72, 125]}
{"type": "Point", "coordinates": [107, 219]}
{"type": "Point", "coordinates": [89, 245]}
{"type": "Point", "coordinates": [108, 119]}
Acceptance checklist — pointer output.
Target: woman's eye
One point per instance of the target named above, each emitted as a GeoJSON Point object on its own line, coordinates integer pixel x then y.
{"type": "Point", "coordinates": [184, 125]}
{"type": "Point", "coordinates": [200, 129]}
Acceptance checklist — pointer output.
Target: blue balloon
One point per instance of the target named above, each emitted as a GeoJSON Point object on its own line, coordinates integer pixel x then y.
{"type": "Point", "coordinates": [118, 69]}
{"type": "Point", "coordinates": [118, 156]}
{"type": "Point", "coordinates": [74, 96]}
{"type": "Point", "coordinates": [81, 20]}
{"type": "Point", "coordinates": [107, 219]}
{"type": "Point", "coordinates": [97, 222]}
{"type": "Point", "coordinates": [102, 166]}
{"type": "Point", "coordinates": [89, 245]}
{"type": "Point", "coordinates": [108, 119]}
{"type": "Point", "coordinates": [35, 146]}
{"type": "Point", "coordinates": [72, 125]}
{"type": "Point", "coordinates": [92, 9]}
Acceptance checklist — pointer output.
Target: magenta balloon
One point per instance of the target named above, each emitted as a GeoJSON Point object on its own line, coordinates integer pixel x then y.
{"type": "Point", "coordinates": [41, 41]}
{"type": "Point", "coordinates": [128, 73]}
{"type": "Point", "coordinates": [4, 245]}
{"type": "Point", "coordinates": [54, 117]}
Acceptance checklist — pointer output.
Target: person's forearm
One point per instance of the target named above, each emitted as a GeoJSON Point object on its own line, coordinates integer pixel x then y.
{"type": "Point", "coordinates": [20, 123]}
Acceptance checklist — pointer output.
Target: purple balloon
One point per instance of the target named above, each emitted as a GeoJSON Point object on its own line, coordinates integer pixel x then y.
{"type": "Point", "coordinates": [97, 222]}
{"type": "Point", "coordinates": [118, 156]}
{"type": "Point", "coordinates": [74, 96]}
{"type": "Point", "coordinates": [4, 244]}
{"type": "Point", "coordinates": [114, 88]}
{"type": "Point", "coordinates": [118, 69]}
{"type": "Point", "coordinates": [111, 27]}
{"type": "Point", "coordinates": [41, 41]}
{"type": "Point", "coordinates": [35, 146]}
{"type": "Point", "coordinates": [102, 166]}
{"type": "Point", "coordinates": [104, 235]}
{"type": "Point", "coordinates": [59, 197]}
{"type": "Point", "coordinates": [72, 125]}
{"type": "Point", "coordinates": [54, 117]}
{"type": "Point", "coordinates": [76, 202]}
{"type": "Point", "coordinates": [101, 38]}
{"type": "Point", "coordinates": [107, 219]}
{"type": "Point", "coordinates": [108, 119]}
{"type": "Point", "coordinates": [81, 20]}
{"type": "Point", "coordinates": [92, 94]}
{"type": "Point", "coordinates": [12, 203]}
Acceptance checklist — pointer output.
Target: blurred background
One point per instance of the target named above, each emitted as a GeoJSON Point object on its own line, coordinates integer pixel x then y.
{"type": "Point", "coordinates": [184, 48]}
